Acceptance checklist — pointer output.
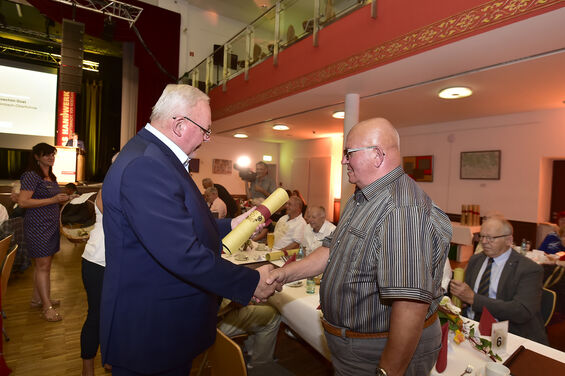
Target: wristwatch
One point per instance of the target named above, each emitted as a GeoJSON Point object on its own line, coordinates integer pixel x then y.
{"type": "Point", "coordinates": [381, 372]}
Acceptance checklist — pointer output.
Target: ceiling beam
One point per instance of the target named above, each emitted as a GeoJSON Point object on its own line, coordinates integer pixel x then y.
{"type": "Point", "coordinates": [116, 9]}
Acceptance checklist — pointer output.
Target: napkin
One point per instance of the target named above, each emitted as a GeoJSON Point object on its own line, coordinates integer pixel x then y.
{"type": "Point", "coordinates": [290, 259]}
{"type": "Point", "coordinates": [441, 363]}
{"type": "Point", "coordinates": [485, 325]}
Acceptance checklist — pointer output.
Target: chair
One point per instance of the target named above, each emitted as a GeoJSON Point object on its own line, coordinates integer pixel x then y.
{"type": "Point", "coordinates": [6, 271]}
{"type": "Point", "coordinates": [548, 299]}
{"type": "Point", "coordinates": [224, 357]}
{"type": "Point", "coordinates": [4, 246]}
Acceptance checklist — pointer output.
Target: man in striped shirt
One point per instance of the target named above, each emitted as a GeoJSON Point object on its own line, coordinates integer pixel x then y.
{"type": "Point", "coordinates": [382, 265]}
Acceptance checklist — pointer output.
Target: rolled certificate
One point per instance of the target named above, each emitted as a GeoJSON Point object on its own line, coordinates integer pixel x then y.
{"type": "Point", "coordinates": [276, 255]}
{"type": "Point", "coordinates": [232, 241]}
{"type": "Point", "coordinates": [458, 275]}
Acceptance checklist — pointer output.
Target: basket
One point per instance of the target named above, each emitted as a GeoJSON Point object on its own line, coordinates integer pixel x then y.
{"type": "Point", "coordinates": [82, 220]}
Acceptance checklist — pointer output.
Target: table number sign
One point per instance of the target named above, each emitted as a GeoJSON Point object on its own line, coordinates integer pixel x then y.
{"type": "Point", "coordinates": [499, 337]}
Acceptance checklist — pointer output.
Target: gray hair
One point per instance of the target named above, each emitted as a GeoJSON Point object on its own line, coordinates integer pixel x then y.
{"type": "Point", "coordinates": [175, 96]}
{"type": "Point", "coordinates": [212, 190]}
{"type": "Point", "coordinates": [207, 182]}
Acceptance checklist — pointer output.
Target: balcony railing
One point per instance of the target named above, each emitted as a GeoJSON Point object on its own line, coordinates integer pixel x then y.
{"type": "Point", "coordinates": [285, 23]}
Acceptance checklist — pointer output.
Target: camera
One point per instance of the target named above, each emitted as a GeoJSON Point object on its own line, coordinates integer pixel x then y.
{"type": "Point", "coordinates": [246, 173]}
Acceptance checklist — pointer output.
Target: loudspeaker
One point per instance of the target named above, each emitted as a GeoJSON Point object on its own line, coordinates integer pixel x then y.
{"type": "Point", "coordinates": [72, 52]}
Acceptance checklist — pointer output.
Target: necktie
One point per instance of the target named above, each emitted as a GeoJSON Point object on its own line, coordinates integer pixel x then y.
{"type": "Point", "coordinates": [485, 279]}
{"type": "Point", "coordinates": [185, 164]}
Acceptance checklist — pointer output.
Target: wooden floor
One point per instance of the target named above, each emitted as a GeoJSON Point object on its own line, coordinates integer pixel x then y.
{"type": "Point", "coordinates": [38, 347]}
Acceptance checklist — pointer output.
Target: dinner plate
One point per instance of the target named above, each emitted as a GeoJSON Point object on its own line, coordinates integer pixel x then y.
{"type": "Point", "coordinates": [294, 284]}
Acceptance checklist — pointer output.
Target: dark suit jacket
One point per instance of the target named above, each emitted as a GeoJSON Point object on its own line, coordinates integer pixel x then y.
{"type": "Point", "coordinates": [518, 298]}
{"type": "Point", "coordinates": [79, 143]}
{"type": "Point", "coordinates": [163, 270]}
{"type": "Point", "coordinates": [227, 199]}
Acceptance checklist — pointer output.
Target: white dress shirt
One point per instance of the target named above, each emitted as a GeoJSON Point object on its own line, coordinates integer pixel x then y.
{"type": "Point", "coordinates": [181, 155]}
{"type": "Point", "coordinates": [219, 206]}
{"type": "Point", "coordinates": [288, 231]}
{"type": "Point", "coordinates": [313, 240]}
{"type": "Point", "coordinates": [495, 273]}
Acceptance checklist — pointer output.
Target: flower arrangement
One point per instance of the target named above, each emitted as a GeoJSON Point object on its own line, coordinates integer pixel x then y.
{"type": "Point", "coordinates": [452, 315]}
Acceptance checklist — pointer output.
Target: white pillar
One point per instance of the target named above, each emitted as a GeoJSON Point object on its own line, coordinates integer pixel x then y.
{"type": "Point", "coordinates": [351, 118]}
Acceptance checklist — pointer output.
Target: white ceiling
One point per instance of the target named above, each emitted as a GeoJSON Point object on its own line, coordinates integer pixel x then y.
{"type": "Point", "coordinates": [516, 68]}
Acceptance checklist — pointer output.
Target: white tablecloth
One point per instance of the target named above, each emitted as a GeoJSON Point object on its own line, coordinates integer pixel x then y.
{"type": "Point", "coordinates": [459, 356]}
{"type": "Point", "coordinates": [299, 311]}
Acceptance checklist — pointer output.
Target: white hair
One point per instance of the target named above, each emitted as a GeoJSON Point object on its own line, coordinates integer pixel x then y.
{"type": "Point", "coordinates": [175, 96]}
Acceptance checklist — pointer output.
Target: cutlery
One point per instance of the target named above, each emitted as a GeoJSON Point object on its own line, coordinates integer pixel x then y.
{"type": "Point", "coordinates": [469, 369]}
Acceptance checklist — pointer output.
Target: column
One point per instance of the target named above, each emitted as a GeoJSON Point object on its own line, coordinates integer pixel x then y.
{"type": "Point", "coordinates": [351, 118]}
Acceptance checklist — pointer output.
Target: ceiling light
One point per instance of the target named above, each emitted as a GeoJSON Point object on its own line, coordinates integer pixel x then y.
{"type": "Point", "coordinates": [240, 135]}
{"type": "Point", "coordinates": [280, 127]}
{"type": "Point", "coordinates": [338, 115]}
{"type": "Point", "coordinates": [455, 92]}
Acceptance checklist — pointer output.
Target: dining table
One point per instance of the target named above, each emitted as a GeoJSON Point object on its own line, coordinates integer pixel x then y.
{"type": "Point", "coordinates": [301, 312]}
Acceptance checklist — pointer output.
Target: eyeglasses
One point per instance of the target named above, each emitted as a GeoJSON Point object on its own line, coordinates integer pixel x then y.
{"type": "Point", "coordinates": [207, 132]}
{"type": "Point", "coordinates": [490, 239]}
{"type": "Point", "coordinates": [347, 152]}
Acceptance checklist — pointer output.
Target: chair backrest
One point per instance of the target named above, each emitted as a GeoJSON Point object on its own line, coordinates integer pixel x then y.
{"type": "Point", "coordinates": [548, 298]}
{"type": "Point", "coordinates": [7, 270]}
{"type": "Point", "coordinates": [4, 246]}
{"type": "Point", "coordinates": [225, 357]}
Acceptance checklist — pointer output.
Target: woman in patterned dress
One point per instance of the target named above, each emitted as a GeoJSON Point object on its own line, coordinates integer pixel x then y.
{"type": "Point", "coordinates": [41, 196]}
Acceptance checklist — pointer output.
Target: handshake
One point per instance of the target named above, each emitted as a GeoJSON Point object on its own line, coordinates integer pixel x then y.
{"type": "Point", "coordinates": [270, 279]}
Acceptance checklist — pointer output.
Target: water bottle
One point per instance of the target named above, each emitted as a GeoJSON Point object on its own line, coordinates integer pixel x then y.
{"type": "Point", "coordinates": [310, 286]}
{"type": "Point", "coordinates": [524, 246]}
{"type": "Point", "coordinates": [300, 255]}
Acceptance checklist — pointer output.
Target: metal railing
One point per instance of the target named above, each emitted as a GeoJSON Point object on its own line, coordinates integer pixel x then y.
{"type": "Point", "coordinates": [285, 23]}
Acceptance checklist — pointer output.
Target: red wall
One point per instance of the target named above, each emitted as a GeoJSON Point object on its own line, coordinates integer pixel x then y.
{"type": "Point", "coordinates": [358, 42]}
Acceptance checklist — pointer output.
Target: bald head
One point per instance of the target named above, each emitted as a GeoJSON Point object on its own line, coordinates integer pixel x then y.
{"type": "Point", "coordinates": [317, 217]}
{"type": "Point", "coordinates": [378, 151]}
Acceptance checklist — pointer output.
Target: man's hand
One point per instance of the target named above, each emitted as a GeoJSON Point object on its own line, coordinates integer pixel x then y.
{"type": "Point", "coordinates": [277, 276]}
{"type": "Point", "coordinates": [264, 290]}
{"type": "Point", "coordinates": [462, 291]}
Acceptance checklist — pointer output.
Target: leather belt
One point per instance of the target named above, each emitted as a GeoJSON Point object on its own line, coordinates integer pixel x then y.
{"type": "Point", "coordinates": [341, 332]}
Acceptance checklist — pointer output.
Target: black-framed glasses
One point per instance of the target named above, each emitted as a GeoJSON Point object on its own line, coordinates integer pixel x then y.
{"type": "Point", "coordinates": [207, 132]}
{"type": "Point", "coordinates": [490, 239]}
{"type": "Point", "coordinates": [347, 152]}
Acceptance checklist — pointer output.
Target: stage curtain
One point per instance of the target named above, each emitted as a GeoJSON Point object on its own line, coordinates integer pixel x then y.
{"type": "Point", "coordinates": [92, 111]}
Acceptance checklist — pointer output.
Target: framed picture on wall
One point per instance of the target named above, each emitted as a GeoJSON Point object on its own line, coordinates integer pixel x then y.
{"type": "Point", "coordinates": [419, 168]}
{"type": "Point", "coordinates": [221, 166]}
{"type": "Point", "coordinates": [481, 165]}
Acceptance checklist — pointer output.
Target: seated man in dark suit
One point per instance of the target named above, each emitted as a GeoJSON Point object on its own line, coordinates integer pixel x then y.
{"type": "Point", "coordinates": [223, 193]}
{"type": "Point", "coordinates": [512, 285]}
{"type": "Point", "coordinates": [76, 143]}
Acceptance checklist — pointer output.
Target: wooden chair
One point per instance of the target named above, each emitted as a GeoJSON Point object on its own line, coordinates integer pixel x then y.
{"type": "Point", "coordinates": [4, 246]}
{"type": "Point", "coordinates": [224, 357]}
{"type": "Point", "coordinates": [548, 299]}
{"type": "Point", "coordinates": [6, 271]}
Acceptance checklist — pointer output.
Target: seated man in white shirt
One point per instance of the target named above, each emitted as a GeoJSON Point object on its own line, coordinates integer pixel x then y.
{"type": "Point", "coordinates": [215, 203]}
{"type": "Point", "coordinates": [317, 229]}
{"type": "Point", "coordinates": [290, 228]}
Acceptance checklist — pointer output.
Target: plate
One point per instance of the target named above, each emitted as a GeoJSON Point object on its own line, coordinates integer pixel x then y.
{"type": "Point", "coordinates": [294, 284]}
{"type": "Point", "coordinates": [241, 257]}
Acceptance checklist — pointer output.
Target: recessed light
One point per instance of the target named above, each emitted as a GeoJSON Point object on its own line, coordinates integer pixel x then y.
{"type": "Point", "coordinates": [240, 135]}
{"type": "Point", "coordinates": [338, 115]}
{"type": "Point", "coordinates": [455, 92]}
{"type": "Point", "coordinates": [280, 127]}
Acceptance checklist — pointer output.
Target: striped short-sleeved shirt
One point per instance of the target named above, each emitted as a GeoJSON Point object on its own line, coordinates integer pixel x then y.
{"type": "Point", "coordinates": [391, 243]}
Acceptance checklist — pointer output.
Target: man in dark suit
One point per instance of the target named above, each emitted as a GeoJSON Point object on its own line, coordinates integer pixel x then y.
{"type": "Point", "coordinates": [223, 193]}
{"type": "Point", "coordinates": [75, 142]}
{"type": "Point", "coordinates": [513, 290]}
{"type": "Point", "coordinates": [164, 273]}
